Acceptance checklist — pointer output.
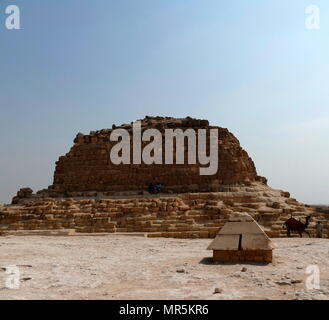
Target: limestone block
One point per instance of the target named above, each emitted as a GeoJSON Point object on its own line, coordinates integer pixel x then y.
{"type": "Point", "coordinates": [241, 228]}
{"type": "Point", "coordinates": [225, 242]}
{"type": "Point", "coordinates": [256, 242]}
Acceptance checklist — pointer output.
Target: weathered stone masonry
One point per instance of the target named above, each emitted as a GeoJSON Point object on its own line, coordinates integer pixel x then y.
{"type": "Point", "coordinates": [190, 215]}
{"type": "Point", "coordinates": [87, 167]}
{"type": "Point", "coordinates": [90, 194]}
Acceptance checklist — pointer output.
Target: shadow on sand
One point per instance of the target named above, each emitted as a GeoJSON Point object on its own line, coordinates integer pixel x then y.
{"type": "Point", "coordinates": [210, 261]}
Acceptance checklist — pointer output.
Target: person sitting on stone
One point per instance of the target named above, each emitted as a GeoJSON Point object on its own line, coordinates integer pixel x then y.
{"type": "Point", "coordinates": [158, 187]}
{"type": "Point", "coordinates": [151, 188]}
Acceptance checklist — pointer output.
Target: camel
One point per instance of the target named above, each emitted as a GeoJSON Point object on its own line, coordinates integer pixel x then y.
{"type": "Point", "coordinates": [296, 225]}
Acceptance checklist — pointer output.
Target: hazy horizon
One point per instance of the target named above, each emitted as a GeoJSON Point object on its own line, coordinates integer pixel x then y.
{"type": "Point", "coordinates": [252, 67]}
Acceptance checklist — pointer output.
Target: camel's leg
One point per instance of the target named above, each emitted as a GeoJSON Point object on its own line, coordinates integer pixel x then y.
{"type": "Point", "coordinates": [288, 232]}
{"type": "Point", "coordinates": [301, 234]}
{"type": "Point", "coordinates": [307, 233]}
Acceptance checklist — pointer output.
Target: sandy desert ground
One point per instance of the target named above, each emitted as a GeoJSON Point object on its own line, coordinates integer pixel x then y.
{"type": "Point", "coordinates": [134, 267]}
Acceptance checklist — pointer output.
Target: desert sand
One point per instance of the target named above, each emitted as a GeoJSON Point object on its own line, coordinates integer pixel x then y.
{"type": "Point", "coordinates": [134, 267]}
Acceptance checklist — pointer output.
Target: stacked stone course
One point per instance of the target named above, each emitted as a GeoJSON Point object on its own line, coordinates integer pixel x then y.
{"type": "Point", "coordinates": [87, 167]}
{"type": "Point", "coordinates": [188, 215]}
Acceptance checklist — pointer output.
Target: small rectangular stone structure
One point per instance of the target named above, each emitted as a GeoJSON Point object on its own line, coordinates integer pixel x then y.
{"type": "Point", "coordinates": [242, 240]}
{"type": "Point", "coordinates": [243, 256]}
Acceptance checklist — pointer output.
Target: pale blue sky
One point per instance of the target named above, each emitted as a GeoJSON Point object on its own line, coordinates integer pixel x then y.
{"type": "Point", "coordinates": [250, 66]}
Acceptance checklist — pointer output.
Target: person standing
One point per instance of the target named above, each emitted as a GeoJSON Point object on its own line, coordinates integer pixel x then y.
{"type": "Point", "coordinates": [319, 229]}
